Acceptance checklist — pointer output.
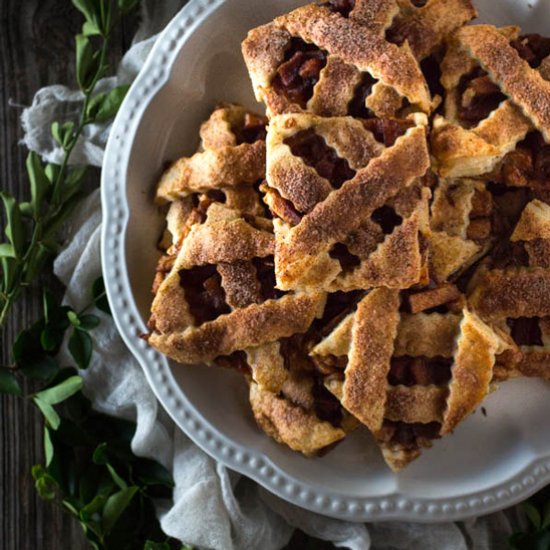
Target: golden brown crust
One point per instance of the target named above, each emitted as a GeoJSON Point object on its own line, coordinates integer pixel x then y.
{"type": "Point", "coordinates": [426, 28]}
{"type": "Point", "coordinates": [427, 335]}
{"type": "Point", "coordinates": [524, 85]}
{"type": "Point", "coordinates": [512, 292]}
{"type": "Point", "coordinates": [534, 222]}
{"type": "Point", "coordinates": [462, 152]}
{"type": "Point", "coordinates": [470, 152]}
{"type": "Point", "coordinates": [416, 404]}
{"type": "Point", "coordinates": [354, 46]}
{"type": "Point", "coordinates": [213, 169]}
{"type": "Point", "coordinates": [472, 370]}
{"type": "Point", "coordinates": [222, 161]}
{"type": "Point", "coordinates": [291, 424]}
{"type": "Point", "coordinates": [382, 343]}
{"type": "Point", "coordinates": [224, 241]}
{"type": "Point", "coordinates": [373, 334]}
{"type": "Point", "coordinates": [334, 216]}
{"type": "Point", "coordinates": [252, 326]}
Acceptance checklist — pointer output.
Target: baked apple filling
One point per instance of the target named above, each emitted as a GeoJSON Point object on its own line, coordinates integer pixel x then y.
{"type": "Point", "coordinates": [300, 71]}
{"type": "Point", "coordinates": [315, 152]}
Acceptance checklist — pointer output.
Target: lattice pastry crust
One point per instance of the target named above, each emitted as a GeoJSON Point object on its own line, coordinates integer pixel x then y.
{"type": "Point", "coordinates": [232, 156]}
{"type": "Point", "coordinates": [222, 256]}
{"type": "Point", "coordinates": [292, 424]}
{"type": "Point", "coordinates": [410, 378]}
{"type": "Point", "coordinates": [464, 223]}
{"type": "Point", "coordinates": [494, 98]}
{"type": "Point", "coordinates": [335, 202]}
{"type": "Point", "coordinates": [518, 298]}
{"type": "Point", "coordinates": [317, 60]}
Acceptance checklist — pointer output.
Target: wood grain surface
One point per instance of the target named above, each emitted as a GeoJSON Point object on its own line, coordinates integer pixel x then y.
{"type": "Point", "coordinates": [36, 49]}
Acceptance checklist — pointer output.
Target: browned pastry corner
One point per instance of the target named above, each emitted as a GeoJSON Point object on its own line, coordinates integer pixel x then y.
{"type": "Point", "coordinates": [292, 424]}
{"type": "Point", "coordinates": [349, 212]}
{"type": "Point", "coordinates": [409, 377]}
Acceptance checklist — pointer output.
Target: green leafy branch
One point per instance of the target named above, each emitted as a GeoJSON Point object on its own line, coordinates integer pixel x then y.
{"type": "Point", "coordinates": [32, 227]}
{"type": "Point", "coordinates": [89, 466]}
{"type": "Point", "coordinates": [537, 534]}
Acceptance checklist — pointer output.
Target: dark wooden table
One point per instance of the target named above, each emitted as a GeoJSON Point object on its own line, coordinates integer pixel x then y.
{"type": "Point", "coordinates": [36, 49]}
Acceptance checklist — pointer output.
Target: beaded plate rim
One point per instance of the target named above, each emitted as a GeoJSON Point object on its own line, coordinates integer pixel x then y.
{"type": "Point", "coordinates": [116, 213]}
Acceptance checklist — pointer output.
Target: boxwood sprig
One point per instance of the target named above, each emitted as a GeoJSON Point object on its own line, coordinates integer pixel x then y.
{"type": "Point", "coordinates": [89, 468]}
{"type": "Point", "coordinates": [32, 227]}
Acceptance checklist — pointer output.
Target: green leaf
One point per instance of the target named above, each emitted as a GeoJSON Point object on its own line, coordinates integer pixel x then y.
{"type": "Point", "coordinates": [44, 483]}
{"type": "Point", "coordinates": [88, 8]}
{"type": "Point", "coordinates": [75, 176]}
{"type": "Point", "coordinates": [42, 367]}
{"type": "Point", "coordinates": [93, 507]}
{"type": "Point", "coordinates": [73, 318]}
{"type": "Point", "coordinates": [94, 105]}
{"type": "Point", "coordinates": [70, 506]}
{"type": "Point", "coordinates": [115, 506]}
{"type": "Point", "coordinates": [101, 457]}
{"type": "Point", "coordinates": [100, 454]}
{"type": "Point", "coordinates": [48, 304]}
{"type": "Point", "coordinates": [50, 339]}
{"type": "Point", "coordinates": [86, 62]}
{"type": "Point", "coordinates": [150, 472]}
{"type": "Point", "coordinates": [26, 209]}
{"type": "Point", "coordinates": [48, 446]}
{"type": "Point", "coordinates": [89, 322]}
{"type": "Point", "coordinates": [39, 182]}
{"type": "Point", "coordinates": [100, 296]}
{"type": "Point", "coordinates": [49, 413]}
{"type": "Point", "coordinates": [7, 250]}
{"type": "Point", "coordinates": [90, 29]}
{"type": "Point", "coordinates": [8, 382]}
{"type": "Point", "coordinates": [57, 220]}
{"type": "Point", "coordinates": [61, 392]}
{"type": "Point", "coordinates": [8, 271]}
{"type": "Point", "coordinates": [80, 346]}
{"type": "Point", "coordinates": [52, 171]}
{"type": "Point", "coordinates": [14, 223]}
{"type": "Point", "coordinates": [23, 343]}
{"type": "Point", "coordinates": [63, 133]}
{"type": "Point", "coordinates": [36, 262]}
{"type": "Point", "coordinates": [104, 106]}
{"type": "Point", "coordinates": [533, 514]}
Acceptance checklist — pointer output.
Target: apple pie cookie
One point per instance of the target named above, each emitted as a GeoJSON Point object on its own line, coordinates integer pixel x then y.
{"type": "Point", "coordinates": [232, 155]}
{"type": "Point", "coordinates": [409, 377]}
{"type": "Point", "coordinates": [350, 212]}
{"type": "Point", "coordinates": [323, 60]}
{"type": "Point", "coordinates": [496, 93]}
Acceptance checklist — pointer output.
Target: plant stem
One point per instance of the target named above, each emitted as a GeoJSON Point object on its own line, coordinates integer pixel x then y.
{"type": "Point", "coordinates": [43, 219]}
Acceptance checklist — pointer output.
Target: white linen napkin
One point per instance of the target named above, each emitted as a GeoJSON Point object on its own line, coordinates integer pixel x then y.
{"type": "Point", "coordinates": [212, 507]}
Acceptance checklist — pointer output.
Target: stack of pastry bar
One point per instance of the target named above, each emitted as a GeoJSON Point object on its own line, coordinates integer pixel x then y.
{"type": "Point", "coordinates": [375, 252]}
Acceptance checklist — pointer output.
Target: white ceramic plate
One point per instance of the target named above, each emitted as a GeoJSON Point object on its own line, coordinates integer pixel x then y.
{"type": "Point", "coordinates": [491, 461]}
